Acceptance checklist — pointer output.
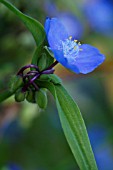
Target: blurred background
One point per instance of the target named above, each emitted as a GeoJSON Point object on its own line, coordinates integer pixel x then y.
{"type": "Point", "coordinates": [34, 140]}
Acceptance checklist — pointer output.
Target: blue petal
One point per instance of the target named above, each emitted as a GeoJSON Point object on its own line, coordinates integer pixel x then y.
{"type": "Point", "coordinates": [86, 60]}
{"type": "Point", "coordinates": [47, 25]}
{"type": "Point", "coordinates": [56, 32]}
{"type": "Point", "coordinates": [59, 56]}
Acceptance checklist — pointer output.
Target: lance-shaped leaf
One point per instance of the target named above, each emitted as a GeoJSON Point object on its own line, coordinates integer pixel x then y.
{"type": "Point", "coordinates": [33, 25]}
{"type": "Point", "coordinates": [73, 126]}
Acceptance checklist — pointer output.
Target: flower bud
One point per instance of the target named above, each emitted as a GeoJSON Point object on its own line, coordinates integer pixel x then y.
{"type": "Point", "coordinates": [45, 60]}
{"type": "Point", "coordinates": [41, 98]}
{"type": "Point", "coordinates": [19, 95]}
{"type": "Point", "coordinates": [30, 97]}
{"type": "Point", "coordinates": [42, 62]}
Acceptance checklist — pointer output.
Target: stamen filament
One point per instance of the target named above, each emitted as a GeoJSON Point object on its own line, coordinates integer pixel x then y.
{"type": "Point", "coordinates": [20, 72]}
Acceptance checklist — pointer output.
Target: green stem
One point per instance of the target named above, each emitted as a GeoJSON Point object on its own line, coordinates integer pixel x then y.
{"type": "Point", "coordinates": [5, 95]}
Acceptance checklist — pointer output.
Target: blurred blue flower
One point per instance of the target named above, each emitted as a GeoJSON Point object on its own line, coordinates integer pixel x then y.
{"type": "Point", "coordinates": [104, 158]}
{"type": "Point", "coordinates": [11, 131]}
{"type": "Point", "coordinates": [97, 132]}
{"type": "Point", "coordinates": [102, 149]}
{"type": "Point", "coordinates": [13, 166]}
{"type": "Point", "coordinates": [72, 24]}
{"type": "Point", "coordinates": [72, 55]}
{"type": "Point", "coordinates": [100, 15]}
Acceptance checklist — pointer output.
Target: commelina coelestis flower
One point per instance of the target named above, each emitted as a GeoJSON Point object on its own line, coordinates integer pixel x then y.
{"type": "Point", "coordinates": [72, 55]}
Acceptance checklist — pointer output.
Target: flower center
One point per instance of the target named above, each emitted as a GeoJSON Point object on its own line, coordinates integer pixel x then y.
{"type": "Point", "coordinates": [70, 48]}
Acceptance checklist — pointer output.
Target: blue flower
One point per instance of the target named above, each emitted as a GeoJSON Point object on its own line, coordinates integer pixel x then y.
{"type": "Point", "coordinates": [102, 148]}
{"type": "Point", "coordinates": [72, 55]}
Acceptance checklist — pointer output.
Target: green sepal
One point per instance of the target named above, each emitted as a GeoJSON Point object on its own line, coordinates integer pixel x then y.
{"type": "Point", "coordinates": [30, 97]}
{"type": "Point", "coordinates": [41, 98]}
{"type": "Point", "coordinates": [19, 95]}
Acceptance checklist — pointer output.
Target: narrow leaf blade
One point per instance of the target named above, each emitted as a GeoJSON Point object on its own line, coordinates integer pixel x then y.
{"type": "Point", "coordinates": [74, 129]}
{"type": "Point", "coordinates": [33, 25]}
{"type": "Point", "coordinates": [73, 126]}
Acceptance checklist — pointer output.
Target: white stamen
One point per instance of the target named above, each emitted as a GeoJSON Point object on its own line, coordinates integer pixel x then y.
{"type": "Point", "coordinates": [70, 49]}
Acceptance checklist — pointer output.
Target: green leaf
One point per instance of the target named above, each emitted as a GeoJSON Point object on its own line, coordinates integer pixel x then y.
{"type": "Point", "coordinates": [37, 31]}
{"type": "Point", "coordinates": [73, 126]}
{"type": "Point", "coordinates": [33, 25]}
{"type": "Point", "coordinates": [74, 129]}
